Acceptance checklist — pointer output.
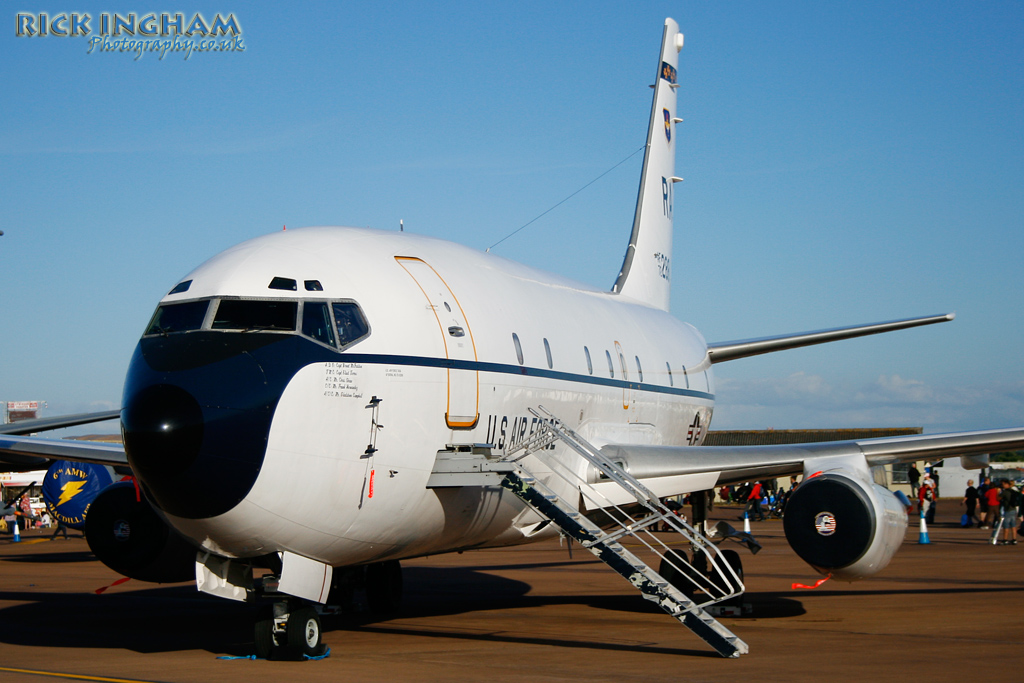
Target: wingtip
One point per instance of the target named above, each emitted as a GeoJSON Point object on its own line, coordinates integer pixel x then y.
{"type": "Point", "coordinates": [951, 316]}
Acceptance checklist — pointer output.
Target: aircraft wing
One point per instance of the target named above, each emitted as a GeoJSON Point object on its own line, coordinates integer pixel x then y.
{"type": "Point", "coordinates": [723, 351]}
{"type": "Point", "coordinates": [33, 452]}
{"type": "Point", "coordinates": [20, 453]}
{"type": "Point", "coordinates": [45, 424]}
{"type": "Point", "coordinates": [704, 467]}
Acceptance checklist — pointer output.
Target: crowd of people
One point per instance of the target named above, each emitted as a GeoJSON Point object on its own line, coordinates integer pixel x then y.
{"type": "Point", "coordinates": [1001, 507]}
{"type": "Point", "coordinates": [996, 506]}
{"type": "Point", "coordinates": [761, 498]}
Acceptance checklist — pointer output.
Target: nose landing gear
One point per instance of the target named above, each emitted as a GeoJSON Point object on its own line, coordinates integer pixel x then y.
{"type": "Point", "coordinates": [291, 631]}
{"type": "Point", "coordinates": [290, 628]}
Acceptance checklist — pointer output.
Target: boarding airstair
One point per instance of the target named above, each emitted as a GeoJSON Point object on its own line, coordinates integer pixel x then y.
{"type": "Point", "coordinates": [617, 523]}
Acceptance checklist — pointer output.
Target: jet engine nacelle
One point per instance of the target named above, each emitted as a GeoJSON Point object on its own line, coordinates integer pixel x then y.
{"type": "Point", "coordinates": [128, 536]}
{"type": "Point", "coordinates": [843, 526]}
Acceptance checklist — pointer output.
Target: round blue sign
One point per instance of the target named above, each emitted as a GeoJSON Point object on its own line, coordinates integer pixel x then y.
{"type": "Point", "coordinates": [69, 489]}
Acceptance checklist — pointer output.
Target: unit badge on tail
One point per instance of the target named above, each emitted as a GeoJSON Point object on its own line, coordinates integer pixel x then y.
{"type": "Point", "coordinates": [668, 72]}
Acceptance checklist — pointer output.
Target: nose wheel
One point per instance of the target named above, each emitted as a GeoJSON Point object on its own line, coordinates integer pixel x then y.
{"type": "Point", "coordinates": [289, 632]}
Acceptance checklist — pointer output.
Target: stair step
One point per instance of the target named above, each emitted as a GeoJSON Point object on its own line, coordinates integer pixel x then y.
{"type": "Point", "coordinates": [575, 524]}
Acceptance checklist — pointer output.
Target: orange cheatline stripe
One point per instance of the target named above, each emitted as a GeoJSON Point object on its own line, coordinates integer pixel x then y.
{"type": "Point", "coordinates": [76, 677]}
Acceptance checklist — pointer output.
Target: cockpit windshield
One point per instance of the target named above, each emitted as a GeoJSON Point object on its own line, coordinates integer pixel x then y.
{"type": "Point", "coordinates": [316, 322]}
{"type": "Point", "coordinates": [336, 324]}
{"type": "Point", "coordinates": [182, 317]}
{"type": "Point", "coordinates": [351, 323]}
{"type": "Point", "coordinates": [251, 314]}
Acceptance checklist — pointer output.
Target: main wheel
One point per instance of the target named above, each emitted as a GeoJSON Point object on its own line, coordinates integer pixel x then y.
{"type": "Point", "coordinates": [676, 569]}
{"type": "Point", "coordinates": [264, 638]}
{"type": "Point", "coordinates": [732, 558]}
{"type": "Point", "coordinates": [304, 632]}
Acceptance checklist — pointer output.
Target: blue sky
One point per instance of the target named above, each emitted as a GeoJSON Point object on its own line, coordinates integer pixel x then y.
{"type": "Point", "coordinates": [844, 163]}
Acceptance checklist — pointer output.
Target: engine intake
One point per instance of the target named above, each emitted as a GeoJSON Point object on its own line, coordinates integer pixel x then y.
{"type": "Point", "coordinates": [844, 527]}
{"type": "Point", "coordinates": [128, 536]}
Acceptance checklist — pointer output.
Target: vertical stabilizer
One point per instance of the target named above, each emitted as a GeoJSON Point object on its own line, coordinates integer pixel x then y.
{"type": "Point", "coordinates": [646, 273]}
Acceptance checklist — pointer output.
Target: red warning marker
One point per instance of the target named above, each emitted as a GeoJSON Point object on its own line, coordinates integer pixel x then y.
{"type": "Point", "coordinates": [116, 583]}
{"type": "Point", "coordinates": [816, 583]}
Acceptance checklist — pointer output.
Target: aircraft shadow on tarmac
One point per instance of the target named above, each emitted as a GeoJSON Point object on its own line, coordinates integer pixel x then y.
{"type": "Point", "coordinates": [55, 558]}
{"type": "Point", "coordinates": [174, 618]}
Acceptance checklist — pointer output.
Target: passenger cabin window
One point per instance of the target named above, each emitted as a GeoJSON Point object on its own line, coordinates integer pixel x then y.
{"type": "Point", "coordinates": [686, 377]}
{"type": "Point", "coordinates": [188, 315]}
{"type": "Point", "coordinates": [611, 368]}
{"type": "Point", "coordinates": [668, 367]}
{"type": "Point", "coordinates": [590, 366]}
{"type": "Point", "coordinates": [254, 315]}
{"type": "Point", "coordinates": [316, 322]}
{"type": "Point", "coordinates": [519, 347]}
{"type": "Point", "coordinates": [622, 364]}
{"type": "Point", "coordinates": [547, 352]}
{"type": "Point", "coordinates": [350, 323]}
{"type": "Point", "coordinates": [639, 370]}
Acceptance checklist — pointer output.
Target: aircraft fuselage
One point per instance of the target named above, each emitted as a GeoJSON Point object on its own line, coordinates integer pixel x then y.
{"type": "Point", "coordinates": [252, 438]}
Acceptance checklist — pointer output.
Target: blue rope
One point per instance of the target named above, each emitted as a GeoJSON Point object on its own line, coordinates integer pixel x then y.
{"type": "Point", "coordinates": [325, 655]}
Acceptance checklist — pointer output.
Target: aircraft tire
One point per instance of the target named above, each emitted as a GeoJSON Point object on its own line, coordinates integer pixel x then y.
{"type": "Point", "coordinates": [384, 587]}
{"type": "Point", "coordinates": [305, 633]}
{"type": "Point", "coordinates": [263, 638]}
{"type": "Point", "coordinates": [733, 559]}
{"type": "Point", "coordinates": [676, 577]}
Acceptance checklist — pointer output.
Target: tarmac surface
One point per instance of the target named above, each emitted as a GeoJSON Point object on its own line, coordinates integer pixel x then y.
{"type": "Point", "coordinates": [952, 610]}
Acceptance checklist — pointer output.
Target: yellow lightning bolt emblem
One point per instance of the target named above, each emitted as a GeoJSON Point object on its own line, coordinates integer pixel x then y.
{"type": "Point", "coordinates": [69, 491]}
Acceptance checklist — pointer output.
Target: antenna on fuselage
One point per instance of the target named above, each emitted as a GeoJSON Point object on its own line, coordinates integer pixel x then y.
{"type": "Point", "coordinates": [401, 225]}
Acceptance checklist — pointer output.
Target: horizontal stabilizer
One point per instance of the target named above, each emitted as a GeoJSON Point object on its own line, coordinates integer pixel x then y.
{"type": "Point", "coordinates": [723, 351]}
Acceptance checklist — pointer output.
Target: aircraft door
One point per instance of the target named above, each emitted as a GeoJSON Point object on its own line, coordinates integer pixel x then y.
{"type": "Point", "coordinates": [463, 385]}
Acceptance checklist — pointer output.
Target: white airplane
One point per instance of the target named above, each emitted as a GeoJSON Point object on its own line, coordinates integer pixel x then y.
{"type": "Point", "coordinates": [321, 403]}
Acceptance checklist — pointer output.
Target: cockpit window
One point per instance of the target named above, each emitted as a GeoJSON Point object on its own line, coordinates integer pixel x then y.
{"type": "Point", "coordinates": [350, 322]}
{"type": "Point", "coordinates": [285, 283]}
{"type": "Point", "coordinates": [188, 315]}
{"type": "Point", "coordinates": [316, 322]}
{"type": "Point", "coordinates": [180, 287]}
{"type": "Point", "coordinates": [337, 324]}
{"type": "Point", "coordinates": [248, 314]}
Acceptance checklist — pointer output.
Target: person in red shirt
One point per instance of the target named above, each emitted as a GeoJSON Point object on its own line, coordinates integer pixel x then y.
{"type": "Point", "coordinates": [992, 498]}
{"type": "Point", "coordinates": [754, 502]}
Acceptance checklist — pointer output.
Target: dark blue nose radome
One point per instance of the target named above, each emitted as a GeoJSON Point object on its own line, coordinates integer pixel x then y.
{"type": "Point", "coordinates": [163, 430]}
{"type": "Point", "coordinates": [196, 418]}
{"type": "Point", "coordinates": [197, 411]}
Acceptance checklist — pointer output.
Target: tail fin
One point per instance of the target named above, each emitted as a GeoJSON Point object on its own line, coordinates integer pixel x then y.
{"type": "Point", "coordinates": [646, 273]}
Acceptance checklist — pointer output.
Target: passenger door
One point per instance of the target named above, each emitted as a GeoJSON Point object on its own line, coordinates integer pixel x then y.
{"type": "Point", "coordinates": [463, 384]}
